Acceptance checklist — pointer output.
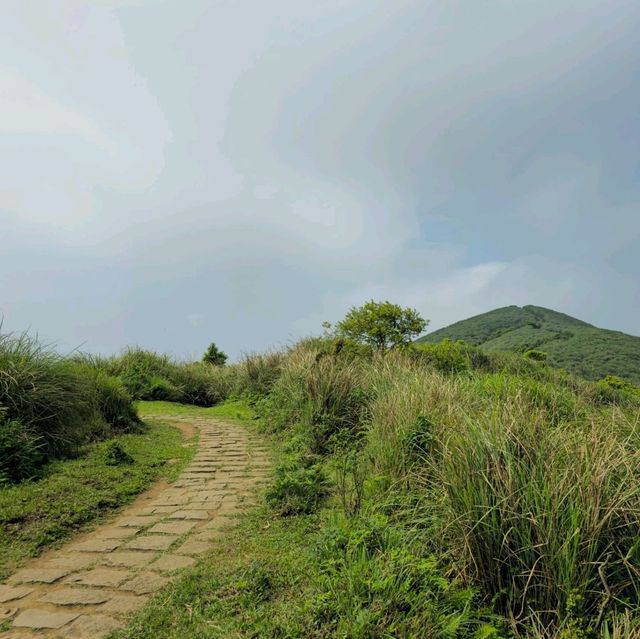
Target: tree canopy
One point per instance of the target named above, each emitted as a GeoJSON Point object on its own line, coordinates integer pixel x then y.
{"type": "Point", "coordinates": [382, 325]}
{"type": "Point", "coordinates": [214, 355]}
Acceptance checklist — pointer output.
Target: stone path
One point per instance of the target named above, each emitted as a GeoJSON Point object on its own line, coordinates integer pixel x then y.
{"type": "Point", "coordinates": [86, 589]}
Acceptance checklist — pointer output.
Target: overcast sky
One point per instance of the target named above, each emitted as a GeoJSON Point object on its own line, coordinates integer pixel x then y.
{"type": "Point", "coordinates": [179, 171]}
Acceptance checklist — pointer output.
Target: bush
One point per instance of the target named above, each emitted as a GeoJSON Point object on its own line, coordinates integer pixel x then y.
{"type": "Point", "coordinates": [113, 401]}
{"type": "Point", "coordinates": [203, 384]}
{"type": "Point", "coordinates": [378, 580]}
{"type": "Point", "coordinates": [149, 376]}
{"type": "Point", "coordinates": [446, 356]}
{"type": "Point", "coordinates": [20, 452]}
{"type": "Point", "coordinates": [536, 356]}
{"type": "Point", "coordinates": [115, 404]}
{"type": "Point", "coordinates": [527, 506]}
{"type": "Point", "coordinates": [161, 389]}
{"type": "Point", "coordinates": [47, 394]}
{"type": "Point", "coordinates": [297, 488]}
{"type": "Point", "coordinates": [115, 455]}
{"type": "Point", "coordinates": [52, 406]}
{"type": "Point", "coordinates": [257, 374]}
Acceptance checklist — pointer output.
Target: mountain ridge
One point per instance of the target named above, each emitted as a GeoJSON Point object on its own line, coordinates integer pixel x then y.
{"type": "Point", "coordinates": [581, 348]}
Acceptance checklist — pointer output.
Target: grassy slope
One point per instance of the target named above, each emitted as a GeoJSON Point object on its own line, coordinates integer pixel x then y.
{"type": "Point", "coordinates": [77, 492]}
{"type": "Point", "coordinates": [572, 344]}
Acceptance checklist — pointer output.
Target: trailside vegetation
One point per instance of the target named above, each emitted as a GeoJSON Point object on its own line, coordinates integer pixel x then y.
{"type": "Point", "coordinates": [380, 325]}
{"type": "Point", "coordinates": [50, 406]}
{"type": "Point", "coordinates": [434, 490]}
{"type": "Point", "coordinates": [213, 355]}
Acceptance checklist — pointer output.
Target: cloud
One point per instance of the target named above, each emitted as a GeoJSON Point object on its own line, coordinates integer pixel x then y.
{"type": "Point", "coordinates": [175, 173]}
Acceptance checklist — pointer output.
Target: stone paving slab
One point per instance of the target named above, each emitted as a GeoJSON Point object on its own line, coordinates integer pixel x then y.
{"type": "Point", "coordinates": [127, 558]}
{"type": "Point", "coordinates": [42, 619]}
{"type": "Point", "coordinates": [86, 589]}
{"type": "Point", "coordinates": [39, 575]}
{"type": "Point", "coordinates": [97, 545]}
{"type": "Point", "coordinates": [92, 626]}
{"type": "Point", "coordinates": [145, 582]}
{"type": "Point", "coordinates": [107, 577]}
{"type": "Point", "coordinates": [76, 596]}
{"type": "Point", "coordinates": [11, 593]}
{"type": "Point", "coordinates": [151, 542]}
{"type": "Point", "coordinates": [172, 562]}
{"type": "Point", "coordinates": [173, 527]}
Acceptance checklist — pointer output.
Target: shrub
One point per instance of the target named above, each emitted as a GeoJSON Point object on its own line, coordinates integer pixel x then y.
{"type": "Point", "coordinates": [297, 488]}
{"type": "Point", "coordinates": [113, 401]}
{"type": "Point", "coordinates": [161, 389]}
{"type": "Point", "coordinates": [47, 394]}
{"type": "Point", "coordinates": [536, 356]}
{"type": "Point", "coordinates": [257, 374]}
{"type": "Point", "coordinates": [445, 356]}
{"type": "Point", "coordinates": [115, 455]}
{"type": "Point", "coordinates": [378, 580]}
{"type": "Point", "coordinates": [203, 384]}
{"type": "Point", "coordinates": [528, 506]}
{"type": "Point", "coordinates": [214, 356]}
{"type": "Point", "coordinates": [52, 406]}
{"type": "Point", "coordinates": [20, 452]}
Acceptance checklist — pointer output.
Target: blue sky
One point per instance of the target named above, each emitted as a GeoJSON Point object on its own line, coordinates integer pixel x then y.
{"type": "Point", "coordinates": [175, 172]}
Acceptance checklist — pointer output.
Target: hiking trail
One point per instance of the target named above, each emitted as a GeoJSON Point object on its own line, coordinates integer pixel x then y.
{"type": "Point", "coordinates": [86, 588]}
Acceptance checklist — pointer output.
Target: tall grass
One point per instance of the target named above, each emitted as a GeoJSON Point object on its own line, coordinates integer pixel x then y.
{"type": "Point", "coordinates": [50, 405]}
{"type": "Point", "coordinates": [529, 481]}
{"type": "Point", "coordinates": [152, 376]}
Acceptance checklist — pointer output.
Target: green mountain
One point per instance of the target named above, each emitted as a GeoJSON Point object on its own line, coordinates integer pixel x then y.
{"type": "Point", "coordinates": [579, 347]}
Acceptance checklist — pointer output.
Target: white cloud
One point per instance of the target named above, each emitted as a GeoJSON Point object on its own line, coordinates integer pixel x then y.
{"type": "Point", "coordinates": [246, 171]}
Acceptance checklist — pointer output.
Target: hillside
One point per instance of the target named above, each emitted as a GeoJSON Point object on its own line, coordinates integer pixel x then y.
{"type": "Point", "coordinates": [572, 344]}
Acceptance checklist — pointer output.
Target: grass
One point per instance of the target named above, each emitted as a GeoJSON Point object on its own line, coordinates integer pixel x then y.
{"type": "Point", "coordinates": [75, 493]}
{"type": "Point", "coordinates": [243, 588]}
{"type": "Point", "coordinates": [439, 493]}
{"type": "Point", "coordinates": [50, 406]}
{"type": "Point", "coordinates": [435, 491]}
{"type": "Point", "coordinates": [234, 410]}
{"type": "Point", "coordinates": [310, 576]}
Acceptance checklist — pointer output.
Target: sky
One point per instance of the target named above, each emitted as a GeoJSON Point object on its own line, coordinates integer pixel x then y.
{"type": "Point", "coordinates": [176, 172]}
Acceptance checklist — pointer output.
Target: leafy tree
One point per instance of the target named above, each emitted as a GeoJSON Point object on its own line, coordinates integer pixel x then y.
{"type": "Point", "coordinates": [214, 355]}
{"type": "Point", "coordinates": [382, 325]}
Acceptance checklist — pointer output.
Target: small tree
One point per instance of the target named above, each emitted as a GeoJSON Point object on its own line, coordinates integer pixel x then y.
{"type": "Point", "coordinates": [214, 355]}
{"type": "Point", "coordinates": [382, 325]}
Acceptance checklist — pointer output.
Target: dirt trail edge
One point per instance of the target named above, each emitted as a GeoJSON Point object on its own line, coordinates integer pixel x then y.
{"type": "Point", "coordinates": [87, 588]}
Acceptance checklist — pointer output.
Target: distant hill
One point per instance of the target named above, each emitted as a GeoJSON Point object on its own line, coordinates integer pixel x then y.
{"type": "Point", "coordinates": [570, 343]}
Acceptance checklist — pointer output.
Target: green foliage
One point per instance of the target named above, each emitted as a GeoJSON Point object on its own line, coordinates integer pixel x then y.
{"type": "Point", "coordinates": [213, 355]}
{"type": "Point", "coordinates": [535, 355]}
{"type": "Point", "coordinates": [52, 405]}
{"type": "Point", "coordinates": [570, 344]}
{"type": "Point", "coordinates": [20, 452]}
{"type": "Point", "coordinates": [72, 493]}
{"type": "Point", "coordinates": [325, 396]}
{"type": "Point", "coordinates": [448, 356]}
{"type": "Point", "coordinates": [297, 488]}
{"type": "Point", "coordinates": [115, 455]}
{"type": "Point", "coordinates": [150, 376]}
{"type": "Point", "coordinates": [524, 476]}
{"type": "Point", "coordinates": [114, 402]}
{"type": "Point", "coordinates": [257, 374]}
{"type": "Point", "coordinates": [381, 325]}
{"type": "Point", "coordinates": [377, 580]}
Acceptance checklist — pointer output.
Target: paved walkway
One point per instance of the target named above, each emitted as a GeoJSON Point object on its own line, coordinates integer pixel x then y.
{"type": "Point", "coordinates": [87, 588]}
